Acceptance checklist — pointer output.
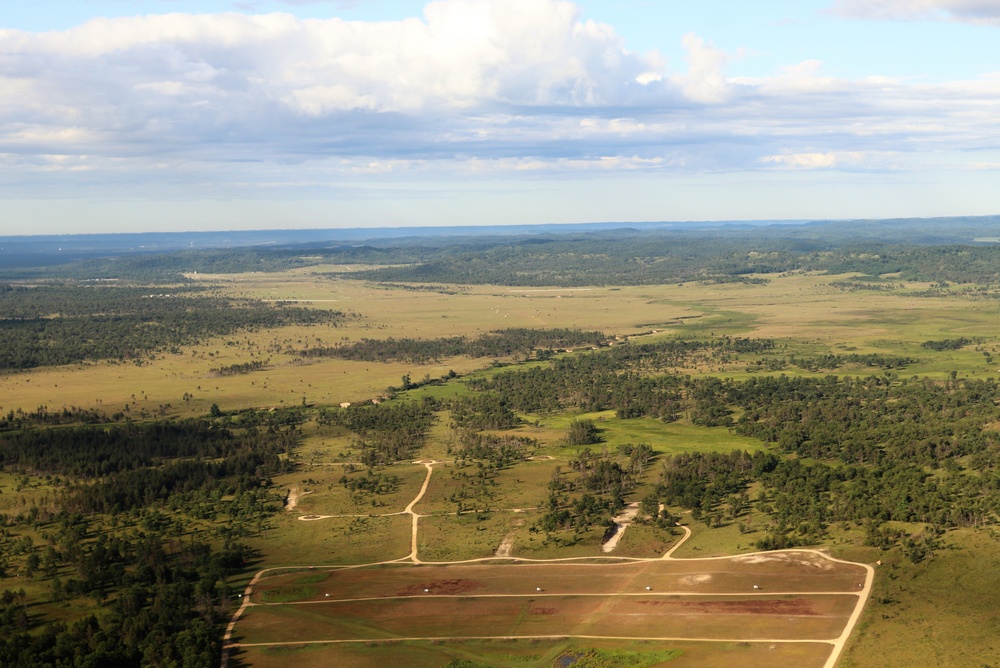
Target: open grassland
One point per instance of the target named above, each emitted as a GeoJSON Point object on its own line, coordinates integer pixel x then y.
{"type": "Point", "coordinates": [357, 540]}
{"type": "Point", "coordinates": [803, 309]}
{"type": "Point", "coordinates": [520, 486]}
{"type": "Point", "coordinates": [466, 536]}
{"type": "Point", "coordinates": [320, 490]}
{"type": "Point", "coordinates": [664, 437]}
{"type": "Point", "coordinates": [722, 540]}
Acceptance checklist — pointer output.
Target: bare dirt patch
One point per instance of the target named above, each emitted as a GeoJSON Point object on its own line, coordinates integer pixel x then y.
{"type": "Point", "coordinates": [441, 588]}
{"type": "Point", "coordinates": [793, 607]}
{"type": "Point", "coordinates": [292, 499]}
{"type": "Point", "coordinates": [621, 522]}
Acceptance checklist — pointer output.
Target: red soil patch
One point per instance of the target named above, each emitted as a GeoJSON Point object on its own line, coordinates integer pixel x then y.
{"type": "Point", "coordinates": [441, 588]}
{"type": "Point", "coordinates": [797, 607]}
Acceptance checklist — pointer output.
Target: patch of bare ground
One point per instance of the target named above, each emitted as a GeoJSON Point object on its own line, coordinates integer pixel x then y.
{"type": "Point", "coordinates": [621, 522]}
{"type": "Point", "coordinates": [293, 497]}
{"type": "Point", "coordinates": [791, 607]}
{"type": "Point", "coordinates": [441, 588]}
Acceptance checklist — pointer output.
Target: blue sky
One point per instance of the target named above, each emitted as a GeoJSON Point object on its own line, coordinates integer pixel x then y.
{"type": "Point", "coordinates": [134, 115]}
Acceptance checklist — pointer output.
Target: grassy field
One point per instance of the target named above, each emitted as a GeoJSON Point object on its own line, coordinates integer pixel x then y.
{"type": "Point", "coordinates": [803, 309]}
{"type": "Point", "coordinates": [322, 493]}
{"type": "Point", "coordinates": [940, 612]}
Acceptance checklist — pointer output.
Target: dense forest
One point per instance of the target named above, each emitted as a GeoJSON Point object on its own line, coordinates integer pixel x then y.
{"type": "Point", "coordinates": [386, 432]}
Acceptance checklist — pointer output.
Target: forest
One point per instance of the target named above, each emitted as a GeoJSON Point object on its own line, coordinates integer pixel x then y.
{"type": "Point", "coordinates": [879, 448]}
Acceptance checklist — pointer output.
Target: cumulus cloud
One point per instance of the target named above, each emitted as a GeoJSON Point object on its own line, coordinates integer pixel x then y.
{"type": "Point", "coordinates": [971, 11]}
{"type": "Point", "coordinates": [705, 80]}
{"type": "Point", "coordinates": [472, 87]}
{"type": "Point", "coordinates": [278, 83]}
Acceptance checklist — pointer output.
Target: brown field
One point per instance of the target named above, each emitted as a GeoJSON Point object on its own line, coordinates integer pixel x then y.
{"type": "Point", "coordinates": [721, 618]}
{"type": "Point", "coordinates": [528, 654]}
{"type": "Point", "coordinates": [774, 573]}
{"type": "Point", "coordinates": [350, 613]}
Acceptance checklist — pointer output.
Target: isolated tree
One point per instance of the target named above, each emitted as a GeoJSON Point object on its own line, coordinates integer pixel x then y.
{"type": "Point", "coordinates": [582, 432]}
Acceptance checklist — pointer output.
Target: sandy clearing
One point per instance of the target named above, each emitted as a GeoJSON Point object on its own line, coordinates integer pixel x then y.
{"type": "Point", "coordinates": [622, 522]}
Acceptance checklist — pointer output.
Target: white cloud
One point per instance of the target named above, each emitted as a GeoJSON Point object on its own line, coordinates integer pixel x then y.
{"type": "Point", "coordinates": [705, 80]}
{"type": "Point", "coordinates": [971, 11]}
{"type": "Point", "coordinates": [859, 159]}
{"type": "Point", "coordinates": [221, 102]}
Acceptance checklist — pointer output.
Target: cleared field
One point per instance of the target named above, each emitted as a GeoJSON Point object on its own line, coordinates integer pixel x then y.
{"type": "Point", "coordinates": [334, 541]}
{"type": "Point", "coordinates": [322, 493]}
{"type": "Point", "coordinates": [710, 608]}
{"type": "Point", "coordinates": [801, 572]}
{"type": "Point", "coordinates": [718, 618]}
{"type": "Point", "coordinates": [538, 653]}
{"type": "Point", "coordinates": [466, 536]}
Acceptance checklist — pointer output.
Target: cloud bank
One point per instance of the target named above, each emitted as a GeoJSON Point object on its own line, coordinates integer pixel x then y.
{"type": "Point", "coordinates": [235, 104]}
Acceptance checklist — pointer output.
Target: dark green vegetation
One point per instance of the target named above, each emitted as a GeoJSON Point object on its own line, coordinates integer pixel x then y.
{"type": "Point", "coordinates": [594, 658]}
{"type": "Point", "coordinates": [501, 343]}
{"type": "Point", "coordinates": [62, 324]}
{"type": "Point", "coordinates": [386, 433]}
{"type": "Point", "coordinates": [878, 449]}
{"type": "Point", "coordinates": [137, 522]}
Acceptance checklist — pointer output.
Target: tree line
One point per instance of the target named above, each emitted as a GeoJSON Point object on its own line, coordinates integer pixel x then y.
{"type": "Point", "coordinates": [64, 324]}
{"type": "Point", "coordinates": [496, 344]}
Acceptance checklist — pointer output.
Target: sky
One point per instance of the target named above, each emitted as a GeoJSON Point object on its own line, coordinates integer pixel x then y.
{"type": "Point", "coordinates": [173, 115]}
